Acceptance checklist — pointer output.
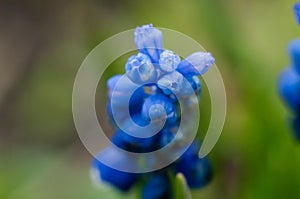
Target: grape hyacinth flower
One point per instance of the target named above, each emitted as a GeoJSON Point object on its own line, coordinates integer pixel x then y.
{"type": "Point", "coordinates": [289, 80]}
{"type": "Point", "coordinates": [148, 40]}
{"type": "Point", "coordinates": [140, 69]}
{"type": "Point", "coordinates": [159, 77]}
{"type": "Point", "coordinates": [168, 61]}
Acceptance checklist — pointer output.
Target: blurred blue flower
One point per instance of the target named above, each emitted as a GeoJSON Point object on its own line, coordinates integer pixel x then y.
{"type": "Point", "coordinates": [289, 80]}
{"type": "Point", "coordinates": [196, 64]}
{"type": "Point", "coordinates": [289, 88]}
{"type": "Point", "coordinates": [148, 40]}
{"type": "Point", "coordinates": [197, 173]}
{"type": "Point", "coordinates": [159, 79]}
{"type": "Point", "coordinates": [196, 170]}
{"type": "Point", "coordinates": [157, 187]}
{"type": "Point", "coordinates": [297, 12]}
{"type": "Point", "coordinates": [104, 173]}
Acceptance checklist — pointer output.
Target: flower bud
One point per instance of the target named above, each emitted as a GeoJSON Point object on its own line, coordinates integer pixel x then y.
{"type": "Point", "coordinates": [148, 40]}
{"type": "Point", "coordinates": [140, 70]}
{"type": "Point", "coordinates": [196, 64]}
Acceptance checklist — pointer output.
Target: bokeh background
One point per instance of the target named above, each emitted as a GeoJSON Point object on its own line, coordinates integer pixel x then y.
{"type": "Point", "coordinates": [42, 44]}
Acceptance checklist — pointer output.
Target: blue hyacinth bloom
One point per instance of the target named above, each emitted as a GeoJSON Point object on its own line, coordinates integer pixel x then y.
{"type": "Point", "coordinates": [168, 61]}
{"type": "Point", "coordinates": [289, 88]}
{"type": "Point", "coordinates": [294, 52]}
{"type": "Point", "coordinates": [103, 173]}
{"type": "Point", "coordinates": [140, 69]}
{"type": "Point", "coordinates": [156, 187]}
{"type": "Point", "coordinates": [151, 92]}
{"type": "Point", "coordinates": [297, 12]}
{"type": "Point", "coordinates": [196, 170]}
{"type": "Point", "coordinates": [289, 80]}
{"type": "Point", "coordinates": [190, 154]}
{"type": "Point", "coordinates": [158, 107]}
{"type": "Point", "coordinates": [148, 40]}
{"type": "Point", "coordinates": [196, 64]}
{"type": "Point", "coordinates": [175, 83]}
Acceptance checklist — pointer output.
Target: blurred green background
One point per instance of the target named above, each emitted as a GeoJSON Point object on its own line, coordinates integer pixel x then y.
{"type": "Point", "coordinates": [42, 44]}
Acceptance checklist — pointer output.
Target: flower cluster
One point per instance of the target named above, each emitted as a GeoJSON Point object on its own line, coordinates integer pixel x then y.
{"type": "Point", "coordinates": [159, 78]}
{"type": "Point", "coordinates": [289, 80]}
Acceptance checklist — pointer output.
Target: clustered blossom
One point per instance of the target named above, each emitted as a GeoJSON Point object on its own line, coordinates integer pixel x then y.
{"type": "Point", "coordinates": [289, 80]}
{"type": "Point", "coordinates": [162, 77]}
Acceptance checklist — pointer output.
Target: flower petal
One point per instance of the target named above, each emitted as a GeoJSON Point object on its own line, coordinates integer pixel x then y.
{"type": "Point", "coordinates": [196, 64]}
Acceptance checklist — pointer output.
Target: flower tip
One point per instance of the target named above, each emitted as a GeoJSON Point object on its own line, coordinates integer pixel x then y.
{"type": "Point", "coordinates": [297, 12]}
{"type": "Point", "coordinates": [150, 25]}
{"type": "Point", "coordinates": [148, 40]}
{"type": "Point", "coordinates": [143, 31]}
{"type": "Point", "coordinates": [210, 59]}
{"type": "Point", "coordinates": [196, 64]}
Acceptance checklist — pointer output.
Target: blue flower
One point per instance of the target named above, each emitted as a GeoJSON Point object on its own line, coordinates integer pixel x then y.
{"type": "Point", "coordinates": [297, 12]}
{"type": "Point", "coordinates": [196, 170]}
{"type": "Point", "coordinates": [158, 107]}
{"type": "Point", "coordinates": [159, 79]}
{"type": "Point", "coordinates": [289, 80]}
{"type": "Point", "coordinates": [148, 40]}
{"type": "Point", "coordinates": [103, 173]}
{"type": "Point", "coordinates": [196, 64]}
{"type": "Point", "coordinates": [175, 83]}
{"type": "Point", "coordinates": [140, 69]}
{"type": "Point", "coordinates": [168, 61]}
{"type": "Point", "coordinates": [198, 174]}
{"type": "Point", "coordinates": [156, 187]}
{"type": "Point", "coordinates": [289, 88]}
{"type": "Point", "coordinates": [294, 52]}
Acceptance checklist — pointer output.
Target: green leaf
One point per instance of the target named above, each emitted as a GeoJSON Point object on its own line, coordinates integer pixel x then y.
{"type": "Point", "coordinates": [181, 189]}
